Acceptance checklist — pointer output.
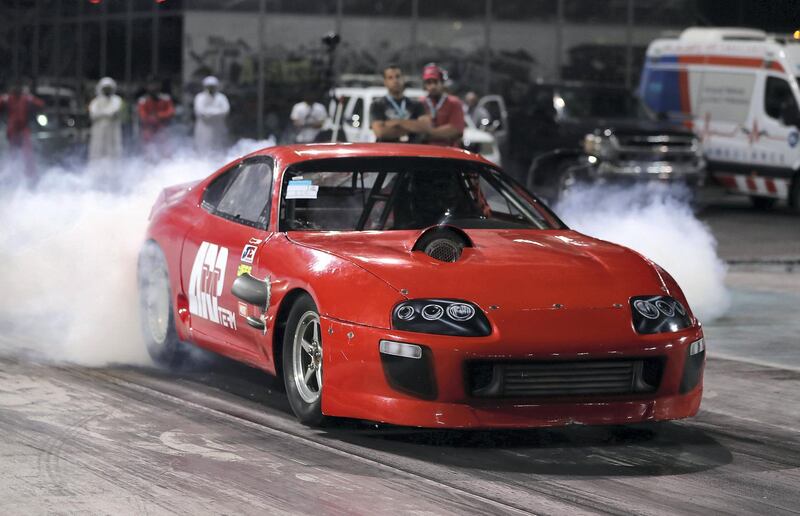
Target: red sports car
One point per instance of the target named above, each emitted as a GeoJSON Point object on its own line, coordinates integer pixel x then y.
{"type": "Point", "coordinates": [414, 285]}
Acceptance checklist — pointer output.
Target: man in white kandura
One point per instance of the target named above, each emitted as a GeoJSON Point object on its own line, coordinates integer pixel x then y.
{"type": "Point", "coordinates": [105, 110]}
{"type": "Point", "coordinates": [211, 108]}
{"type": "Point", "coordinates": [308, 117]}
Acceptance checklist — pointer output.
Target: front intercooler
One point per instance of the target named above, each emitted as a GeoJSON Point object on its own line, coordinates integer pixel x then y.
{"type": "Point", "coordinates": [532, 379]}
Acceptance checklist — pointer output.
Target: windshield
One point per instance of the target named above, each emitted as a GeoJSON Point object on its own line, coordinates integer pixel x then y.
{"type": "Point", "coordinates": [600, 103]}
{"type": "Point", "coordinates": [405, 193]}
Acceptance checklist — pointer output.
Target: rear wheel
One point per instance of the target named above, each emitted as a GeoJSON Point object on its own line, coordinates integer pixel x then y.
{"type": "Point", "coordinates": [762, 203]}
{"type": "Point", "coordinates": [302, 362]}
{"type": "Point", "coordinates": [156, 316]}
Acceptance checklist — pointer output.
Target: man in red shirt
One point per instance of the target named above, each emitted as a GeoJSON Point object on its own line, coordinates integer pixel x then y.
{"type": "Point", "coordinates": [446, 111]}
{"type": "Point", "coordinates": [155, 112]}
{"type": "Point", "coordinates": [18, 105]}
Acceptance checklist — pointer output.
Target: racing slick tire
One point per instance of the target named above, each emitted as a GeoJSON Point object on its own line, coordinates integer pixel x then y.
{"type": "Point", "coordinates": [156, 314]}
{"type": "Point", "coordinates": [762, 203]}
{"type": "Point", "coordinates": [302, 362]}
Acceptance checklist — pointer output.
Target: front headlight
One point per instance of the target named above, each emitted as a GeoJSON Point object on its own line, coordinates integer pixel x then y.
{"type": "Point", "coordinates": [441, 317]}
{"type": "Point", "coordinates": [598, 145]}
{"type": "Point", "coordinates": [697, 147]}
{"type": "Point", "coordinates": [658, 314]}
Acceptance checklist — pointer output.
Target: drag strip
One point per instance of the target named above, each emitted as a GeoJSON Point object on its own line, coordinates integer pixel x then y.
{"type": "Point", "coordinates": [220, 438]}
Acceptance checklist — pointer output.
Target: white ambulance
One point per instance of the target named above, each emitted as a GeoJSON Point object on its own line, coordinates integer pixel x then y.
{"type": "Point", "coordinates": [738, 89]}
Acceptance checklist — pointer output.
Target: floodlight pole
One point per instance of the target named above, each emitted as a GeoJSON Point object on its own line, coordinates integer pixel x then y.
{"type": "Point", "coordinates": [262, 7]}
{"type": "Point", "coordinates": [559, 36]}
{"type": "Point", "coordinates": [629, 49]}
{"type": "Point", "coordinates": [487, 70]}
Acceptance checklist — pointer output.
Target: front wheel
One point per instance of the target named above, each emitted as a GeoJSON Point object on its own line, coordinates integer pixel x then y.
{"type": "Point", "coordinates": [302, 362]}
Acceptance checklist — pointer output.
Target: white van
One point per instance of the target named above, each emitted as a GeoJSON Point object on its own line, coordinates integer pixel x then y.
{"type": "Point", "coordinates": [738, 89]}
{"type": "Point", "coordinates": [356, 102]}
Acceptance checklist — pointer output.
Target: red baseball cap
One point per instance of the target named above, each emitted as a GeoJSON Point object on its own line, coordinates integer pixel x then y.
{"type": "Point", "coordinates": [432, 71]}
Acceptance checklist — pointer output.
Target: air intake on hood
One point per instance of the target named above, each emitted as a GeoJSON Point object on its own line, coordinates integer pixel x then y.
{"type": "Point", "coordinates": [444, 250]}
{"type": "Point", "coordinates": [443, 243]}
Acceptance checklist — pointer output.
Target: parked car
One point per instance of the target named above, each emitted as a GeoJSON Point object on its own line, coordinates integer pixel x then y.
{"type": "Point", "coordinates": [414, 285]}
{"type": "Point", "coordinates": [579, 132]}
{"type": "Point", "coordinates": [355, 122]}
{"type": "Point", "coordinates": [738, 88]}
{"type": "Point", "coordinates": [62, 127]}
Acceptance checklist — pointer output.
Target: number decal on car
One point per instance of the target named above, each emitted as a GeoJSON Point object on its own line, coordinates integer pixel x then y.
{"type": "Point", "coordinates": [205, 285]}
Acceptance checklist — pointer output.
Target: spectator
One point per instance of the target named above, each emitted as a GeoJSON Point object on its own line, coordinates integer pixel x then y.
{"type": "Point", "coordinates": [105, 111]}
{"type": "Point", "coordinates": [156, 110]}
{"type": "Point", "coordinates": [18, 105]}
{"type": "Point", "coordinates": [395, 117]}
{"type": "Point", "coordinates": [446, 111]}
{"type": "Point", "coordinates": [211, 110]}
{"type": "Point", "coordinates": [308, 117]}
{"type": "Point", "coordinates": [479, 115]}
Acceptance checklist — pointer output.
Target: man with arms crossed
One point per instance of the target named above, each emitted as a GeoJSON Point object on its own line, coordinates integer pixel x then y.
{"type": "Point", "coordinates": [446, 111]}
{"type": "Point", "coordinates": [395, 117]}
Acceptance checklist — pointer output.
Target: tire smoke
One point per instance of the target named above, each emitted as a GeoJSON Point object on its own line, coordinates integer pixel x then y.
{"type": "Point", "coordinates": [657, 221]}
{"type": "Point", "coordinates": [69, 248]}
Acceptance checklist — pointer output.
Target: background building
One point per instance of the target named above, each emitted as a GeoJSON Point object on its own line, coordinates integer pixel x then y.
{"type": "Point", "coordinates": [267, 51]}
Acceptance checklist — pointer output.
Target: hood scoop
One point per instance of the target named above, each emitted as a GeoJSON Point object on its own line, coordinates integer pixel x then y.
{"type": "Point", "coordinates": [443, 243]}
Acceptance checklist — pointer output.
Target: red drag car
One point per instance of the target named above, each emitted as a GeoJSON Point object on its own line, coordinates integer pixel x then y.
{"type": "Point", "coordinates": [414, 285]}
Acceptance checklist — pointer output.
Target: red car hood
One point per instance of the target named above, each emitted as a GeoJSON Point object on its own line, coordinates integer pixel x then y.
{"type": "Point", "coordinates": [514, 269]}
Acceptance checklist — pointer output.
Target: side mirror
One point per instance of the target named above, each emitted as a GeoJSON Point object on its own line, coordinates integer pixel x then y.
{"type": "Point", "coordinates": [253, 292]}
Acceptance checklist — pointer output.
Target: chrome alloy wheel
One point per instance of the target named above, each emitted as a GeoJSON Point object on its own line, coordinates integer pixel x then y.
{"type": "Point", "coordinates": [307, 357]}
{"type": "Point", "coordinates": [156, 305]}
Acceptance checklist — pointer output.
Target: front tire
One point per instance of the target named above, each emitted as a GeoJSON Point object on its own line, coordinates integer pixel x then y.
{"type": "Point", "coordinates": [156, 315]}
{"type": "Point", "coordinates": [302, 362]}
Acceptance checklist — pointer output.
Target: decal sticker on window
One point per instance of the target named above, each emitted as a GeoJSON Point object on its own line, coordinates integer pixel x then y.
{"type": "Point", "coordinates": [243, 269]}
{"type": "Point", "coordinates": [205, 285]}
{"type": "Point", "coordinates": [301, 189]}
{"type": "Point", "coordinates": [248, 253]}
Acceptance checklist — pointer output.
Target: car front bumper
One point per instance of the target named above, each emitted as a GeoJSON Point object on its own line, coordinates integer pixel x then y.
{"type": "Point", "coordinates": [357, 383]}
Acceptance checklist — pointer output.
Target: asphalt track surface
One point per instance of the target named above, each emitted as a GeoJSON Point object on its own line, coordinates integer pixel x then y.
{"type": "Point", "coordinates": [219, 438]}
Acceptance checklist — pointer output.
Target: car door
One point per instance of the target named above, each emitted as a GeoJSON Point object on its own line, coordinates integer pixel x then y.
{"type": "Point", "coordinates": [221, 246]}
{"type": "Point", "coordinates": [774, 140]}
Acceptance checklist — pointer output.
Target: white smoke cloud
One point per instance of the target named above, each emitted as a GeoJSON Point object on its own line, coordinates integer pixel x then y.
{"type": "Point", "coordinates": [68, 249]}
{"type": "Point", "coordinates": [657, 221]}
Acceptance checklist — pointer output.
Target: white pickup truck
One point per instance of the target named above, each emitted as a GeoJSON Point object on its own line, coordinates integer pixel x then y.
{"type": "Point", "coordinates": [355, 121]}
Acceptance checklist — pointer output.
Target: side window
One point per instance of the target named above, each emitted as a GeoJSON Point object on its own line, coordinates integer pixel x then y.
{"type": "Point", "coordinates": [246, 194]}
{"type": "Point", "coordinates": [497, 204]}
{"type": "Point", "coordinates": [216, 189]}
{"type": "Point", "coordinates": [776, 93]}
